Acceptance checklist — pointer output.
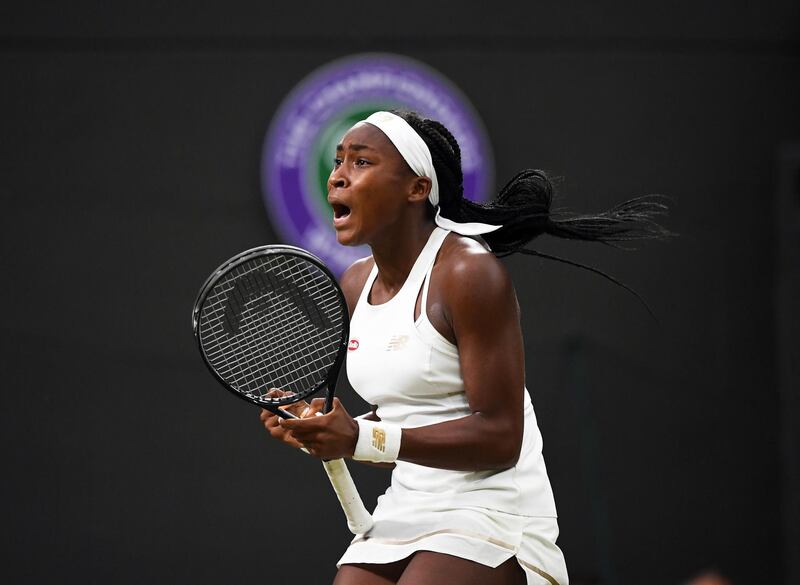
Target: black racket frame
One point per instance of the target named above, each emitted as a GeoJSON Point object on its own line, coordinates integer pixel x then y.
{"type": "Point", "coordinates": [329, 383]}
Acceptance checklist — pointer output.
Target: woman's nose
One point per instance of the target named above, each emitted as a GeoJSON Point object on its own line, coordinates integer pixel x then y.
{"type": "Point", "coordinates": [337, 178]}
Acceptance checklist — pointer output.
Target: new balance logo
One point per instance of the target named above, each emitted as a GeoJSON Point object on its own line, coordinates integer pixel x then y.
{"type": "Point", "coordinates": [397, 342]}
{"type": "Point", "coordinates": [379, 439]}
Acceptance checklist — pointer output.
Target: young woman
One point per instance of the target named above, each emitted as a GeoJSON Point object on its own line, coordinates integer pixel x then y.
{"type": "Point", "coordinates": [436, 348]}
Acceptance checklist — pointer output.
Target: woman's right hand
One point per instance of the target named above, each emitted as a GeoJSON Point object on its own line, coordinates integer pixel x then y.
{"type": "Point", "coordinates": [270, 420]}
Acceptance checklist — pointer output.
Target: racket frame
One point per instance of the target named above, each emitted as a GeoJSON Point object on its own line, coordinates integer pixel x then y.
{"type": "Point", "coordinates": [358, 517]}
{"type": "Point", "coordinates": [329, 383]}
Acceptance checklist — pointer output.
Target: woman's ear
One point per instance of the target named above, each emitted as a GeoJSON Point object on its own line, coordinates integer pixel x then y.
{"type": "Point", "coordinates": [420, 189]}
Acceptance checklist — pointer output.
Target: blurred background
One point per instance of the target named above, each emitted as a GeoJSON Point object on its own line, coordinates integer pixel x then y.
{"type": "Point", "coordinates": [130, 159]}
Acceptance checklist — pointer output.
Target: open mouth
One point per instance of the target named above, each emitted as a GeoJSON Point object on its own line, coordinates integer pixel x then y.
{"type": "Point", "coordinates": [340, 211]}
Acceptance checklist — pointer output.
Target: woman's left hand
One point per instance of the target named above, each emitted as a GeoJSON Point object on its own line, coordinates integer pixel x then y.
{"type": "Point", "coordinates": [328, 436]}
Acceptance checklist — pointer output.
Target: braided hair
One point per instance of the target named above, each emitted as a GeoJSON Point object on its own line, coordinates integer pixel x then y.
{"type": "Point", "coordinates": [523, 206]}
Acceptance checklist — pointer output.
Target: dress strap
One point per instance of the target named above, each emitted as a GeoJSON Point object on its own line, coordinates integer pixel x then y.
{"type": "Point", "coordinates": [373, 274]}
{"type": "Point", "coordinates": [423, 264]}
{"type": "Point", "coordinates": [423, 312]}
{"type": "Point", "coordinates": [427, 278]}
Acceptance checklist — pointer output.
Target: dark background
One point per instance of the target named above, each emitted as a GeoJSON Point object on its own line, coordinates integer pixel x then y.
{"type": "Point", "coordinates": [129, 168]}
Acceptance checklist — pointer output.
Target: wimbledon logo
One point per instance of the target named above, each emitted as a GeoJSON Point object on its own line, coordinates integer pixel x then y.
{"type": "Point", "coordinates": [301, 141]}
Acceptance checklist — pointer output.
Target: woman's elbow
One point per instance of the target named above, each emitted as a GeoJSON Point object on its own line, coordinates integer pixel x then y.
{"type": "Point", "coordinates": [511, 453]}
{"type": "Point", "coordinates": [501, 440]}
{"type": "Point", "coordinates": [506, 450]}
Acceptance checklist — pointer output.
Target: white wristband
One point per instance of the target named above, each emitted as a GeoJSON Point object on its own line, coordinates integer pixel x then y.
{"type": "Point", "coordinates": [378, 442]}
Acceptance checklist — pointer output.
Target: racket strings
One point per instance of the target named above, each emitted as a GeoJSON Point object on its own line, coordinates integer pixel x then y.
{"type": "Point", "coordinates": [294, 329]}
{"type": "Point", "coordinates": [285, 365]}
{"type": "Point", "coordinates": [273, 321]}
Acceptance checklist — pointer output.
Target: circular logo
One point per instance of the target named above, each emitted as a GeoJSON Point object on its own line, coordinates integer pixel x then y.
{"type": "Point", "coordinates": [301, 141]}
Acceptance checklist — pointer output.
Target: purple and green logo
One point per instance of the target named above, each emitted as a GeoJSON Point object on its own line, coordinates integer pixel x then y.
{"type": "Point", "coordinates": [301, 141]}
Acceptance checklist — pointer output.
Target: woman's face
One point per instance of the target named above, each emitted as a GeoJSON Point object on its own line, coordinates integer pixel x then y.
{"type": "Point", "coordinates": [369, 186]}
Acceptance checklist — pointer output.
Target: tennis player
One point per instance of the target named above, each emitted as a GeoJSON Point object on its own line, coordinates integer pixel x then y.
{"type": "Point", "coordinates": [436, 348]}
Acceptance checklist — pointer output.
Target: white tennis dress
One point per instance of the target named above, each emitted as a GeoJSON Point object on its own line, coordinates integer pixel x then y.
{"type": "Point", "coordinates": [412, 373]}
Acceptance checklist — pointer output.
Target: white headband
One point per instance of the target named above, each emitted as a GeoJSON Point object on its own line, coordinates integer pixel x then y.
{"type": "Point", "coordinates": [416, 153]}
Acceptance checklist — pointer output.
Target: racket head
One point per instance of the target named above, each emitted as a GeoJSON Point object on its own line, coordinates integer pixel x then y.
{"type": "Point", "coordinates": [272, 317]}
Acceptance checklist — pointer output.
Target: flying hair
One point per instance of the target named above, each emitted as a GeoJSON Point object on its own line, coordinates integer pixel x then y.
{"type": "Point", "coordinates": [523, 206]}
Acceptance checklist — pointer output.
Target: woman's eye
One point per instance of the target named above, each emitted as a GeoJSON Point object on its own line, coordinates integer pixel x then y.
{"type": "Point", "coordinates": [361, 162]}
{"type": "Point", "coordinates": [337, 162]}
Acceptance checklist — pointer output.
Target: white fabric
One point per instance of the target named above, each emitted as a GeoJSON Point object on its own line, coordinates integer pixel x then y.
{"type": "Point", "coordinates": [411, 147]}
{"type": "Point", "coordinates": [412, 374]}
{"type": "Point", "coordinates": [378, 442]}
{"type": "Point", "coordinates": [416, 153]}
{"type": "Point", "coordinates": [471, 228]}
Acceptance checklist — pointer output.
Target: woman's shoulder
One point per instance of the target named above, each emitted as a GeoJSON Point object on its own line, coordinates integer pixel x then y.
{"type": "Point", "coordinates": [465, 262]}
{"type": "Point", "coordinates": [475, 288]}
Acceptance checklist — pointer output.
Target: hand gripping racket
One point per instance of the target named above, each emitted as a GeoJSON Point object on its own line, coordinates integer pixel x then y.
{"type": "Point", "coordinates": [275, 317]}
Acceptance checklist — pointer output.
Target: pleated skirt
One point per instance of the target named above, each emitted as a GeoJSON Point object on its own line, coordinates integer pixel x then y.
{"type": "Point", "coordinates": [482, 535]}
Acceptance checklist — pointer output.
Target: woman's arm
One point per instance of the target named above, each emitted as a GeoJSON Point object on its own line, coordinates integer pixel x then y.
{"type": "Point", "coordinates": [479, 305]}
{"type": "Point", "coordinates": [471, 301]}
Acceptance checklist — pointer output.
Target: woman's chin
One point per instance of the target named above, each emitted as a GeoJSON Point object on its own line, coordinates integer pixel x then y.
{"type": "Point", "coordinates": [346, 237]}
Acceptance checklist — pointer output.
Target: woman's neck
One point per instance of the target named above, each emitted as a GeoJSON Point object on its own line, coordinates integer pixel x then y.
{"type": "Point", "coordinates": [395, 254]}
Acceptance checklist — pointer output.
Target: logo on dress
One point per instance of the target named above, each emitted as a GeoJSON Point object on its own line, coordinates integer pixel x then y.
{"type": "Point", "coordinates": [353, 345]}
{"type": "Point", "coordinates": [397, 342]}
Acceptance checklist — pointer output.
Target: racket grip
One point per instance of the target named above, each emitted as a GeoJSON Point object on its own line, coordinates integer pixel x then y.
{"type": "Point", "coordinates": [359, 519]}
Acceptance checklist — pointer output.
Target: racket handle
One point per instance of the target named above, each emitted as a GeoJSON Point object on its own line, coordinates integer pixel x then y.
{"type": "Point", "coordinates": [359, 519]}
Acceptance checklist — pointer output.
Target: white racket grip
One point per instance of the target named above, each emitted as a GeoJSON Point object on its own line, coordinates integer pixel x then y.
{"type": "Point", "coordinates": [359, 519]}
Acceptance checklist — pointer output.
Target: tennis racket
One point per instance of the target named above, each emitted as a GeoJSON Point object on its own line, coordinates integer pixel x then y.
{"type": "Point", "coordinates": [275, 317]}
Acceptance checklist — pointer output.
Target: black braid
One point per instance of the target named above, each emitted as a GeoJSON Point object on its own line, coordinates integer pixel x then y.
{"type": "Point", "coordinates": [523, 206]}
{"type": "Point", "coordinates": [446, 155]}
